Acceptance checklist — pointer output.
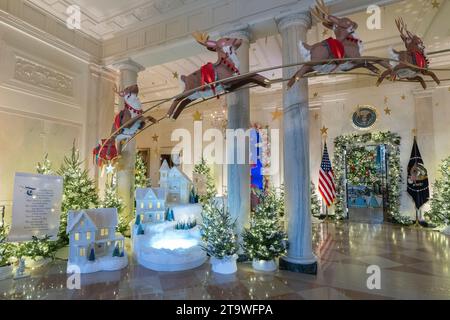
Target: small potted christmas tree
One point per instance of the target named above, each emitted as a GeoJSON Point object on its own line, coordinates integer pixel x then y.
{"type": "Point", "coordinates": [220, 238]}
{"type": "Point", "coordinates": [265, 240]}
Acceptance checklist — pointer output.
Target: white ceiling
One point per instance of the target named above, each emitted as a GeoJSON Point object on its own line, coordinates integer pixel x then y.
{"type": "Point", "coordinates": [102, 19]}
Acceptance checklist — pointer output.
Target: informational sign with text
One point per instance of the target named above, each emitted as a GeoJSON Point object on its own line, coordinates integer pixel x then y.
{"type": "Point", "coordinates": [36, 207]}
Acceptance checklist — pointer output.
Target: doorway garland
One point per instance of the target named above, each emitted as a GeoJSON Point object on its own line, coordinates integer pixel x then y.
{"type": "Point", "coordinates": [392, 142]}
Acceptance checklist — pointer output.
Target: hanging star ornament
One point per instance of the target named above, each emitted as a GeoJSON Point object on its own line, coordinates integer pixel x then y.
{"type": "Point", "coordinates": [403, 97]}
{"type": "Point", "coordinates": [110, 169]}
{"type": "Point", "coordinates": [175, 75]}
{"type": "Point", "coordinates": [387, 111]}
{"type": "Point", "coordinates": [155, 138]}
{"type": "Point", "coordinates": [324, 131]}
{"type": "Point", "coordinates": [197, 116]}
{"type": "Point", "coordinates": [435, 4]}
{"type": "Point", "coordinates": [277, 114]}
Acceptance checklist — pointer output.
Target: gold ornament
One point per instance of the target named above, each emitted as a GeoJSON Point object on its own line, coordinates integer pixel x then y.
{"type": "Point", "coordinates": [197, 116]}
{"type": "Point", "coordinates": [387, 110]}
{"type": "Point", "coordinates": [277, 114]}
{"type": "Point", "coordinates": [155, 138]}
{"type": "Point", "coordinates": [324, 131]}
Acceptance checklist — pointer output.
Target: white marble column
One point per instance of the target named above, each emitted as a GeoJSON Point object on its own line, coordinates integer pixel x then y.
{"type": "Point", "coordinates": [238, 185]}
{"type": "Point", "coordinates": [125, 170]}
{"type": "Point", "coordinates": [300, 258]}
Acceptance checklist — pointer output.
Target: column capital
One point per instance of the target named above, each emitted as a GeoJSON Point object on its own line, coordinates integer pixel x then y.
{"type": "Point", "coordinates": [129, 65]}
{"type": "Point", "coordinates": [240, 32]}
{"type": "Point", "coordinates": [300, 18]}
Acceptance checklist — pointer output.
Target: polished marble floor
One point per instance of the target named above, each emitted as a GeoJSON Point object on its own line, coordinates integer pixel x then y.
{"type": "Point", "coordinates": [414, 264]}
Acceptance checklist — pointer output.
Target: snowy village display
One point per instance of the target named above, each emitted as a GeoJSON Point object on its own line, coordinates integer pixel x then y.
{"type": "Point", "coordinates": [166, 234]}
{"type": "Point", "coordinates": [94, 244]}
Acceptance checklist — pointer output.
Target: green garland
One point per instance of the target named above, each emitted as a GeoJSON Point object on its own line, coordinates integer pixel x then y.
{"type": "Point", "coordinates": [315, 203]}
{"type": "Point", "coordinates": [392, 142]}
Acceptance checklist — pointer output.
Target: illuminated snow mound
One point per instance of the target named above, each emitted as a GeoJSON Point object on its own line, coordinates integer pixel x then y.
{"type": "Point", "coordinates": [162, 248]}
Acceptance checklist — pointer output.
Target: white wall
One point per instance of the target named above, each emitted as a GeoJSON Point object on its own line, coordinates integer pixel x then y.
{"type": "Point", "coordinates": [48, 99]}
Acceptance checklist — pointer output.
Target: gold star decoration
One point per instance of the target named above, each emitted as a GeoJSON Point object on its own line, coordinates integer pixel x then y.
{"type": "Point", "coordinates": [155, 138]}
{"type": "Point", "coordinates": [324, 131]}
{"type": "Point", "coordinates": [403, 97]}
{"type": "Point", "coordinates": [316, 94]}
{"type": "Point", "coordinates": [435, 4]}
{"type": "Point", "coordinates": [197, 116]}
{"type": "Point", "coordinates": [175, 75]}
{"type": "Point", "coordinates": [277, 114]}
{"type": "Point", "coordinates": [387, 111]}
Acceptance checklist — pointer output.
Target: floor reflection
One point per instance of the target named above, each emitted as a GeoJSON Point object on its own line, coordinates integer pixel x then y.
{"type": "Point", "coordinates": [414, 265]}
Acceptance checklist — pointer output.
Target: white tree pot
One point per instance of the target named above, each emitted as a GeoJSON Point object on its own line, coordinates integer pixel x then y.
{"type": "Point", "coordinates": [226, 265]}
{"type": "Point", "coordinates": [6, 272]}
{"type": "Point", "coordinates": [38, 263]}
{"type": "Point", "coordinates": [264, 265]}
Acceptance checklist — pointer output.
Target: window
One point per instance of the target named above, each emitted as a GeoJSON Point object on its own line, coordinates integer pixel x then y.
{"type": "Point", "coordinates": [82, 252]}
{"type": "Point", "coordinates": [77, 236]}
{"type": "Point", "coordinates": [150, 205]}
{"type": "Point", "coordinates": [104, 232]}
{"type": "Point", "coordinates": [142, 205]}
{"type": "Point", "coordinates": [88, 235]}
{"type": "Point", "coordinates": [158, 205]}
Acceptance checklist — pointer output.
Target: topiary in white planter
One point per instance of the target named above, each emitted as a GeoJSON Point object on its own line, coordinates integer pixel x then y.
{"type": "Point", "coordinates": [226, 265]}
{"type": "Point", "coordinates": [264, 265]}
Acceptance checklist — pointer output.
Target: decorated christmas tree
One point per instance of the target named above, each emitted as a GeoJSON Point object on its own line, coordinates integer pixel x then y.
{"type": "Point", "coordinates": [218, 231]}
{"type": "Point", "coordinates": [5, 247]}
{"type": "Point", "coordinates": [265, 239]}
{"type": "Point", "coordinates": [140, 173]}
{"type": "Point", "coordinates": [79, 190]}
{"type": "Point", "coordinates": [45, 167]}
{"type": "Point", "coordinates": [440, 200]}
{"type": "Point", "coordinates": [112, 200]}
{"type": "Point", "coordinates": [204, 170]}
{"type": "Point", "coordinates": [315, 203]}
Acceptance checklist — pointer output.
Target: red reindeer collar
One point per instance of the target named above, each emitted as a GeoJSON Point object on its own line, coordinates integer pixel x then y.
{"type": "Point", "coordinates": [230, 65]}
{"type": "Point", "coordinates": [133, 110]}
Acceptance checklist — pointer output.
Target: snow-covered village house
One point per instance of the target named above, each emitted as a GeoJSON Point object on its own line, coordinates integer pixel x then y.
{"type": "Point", "coordinates": [94, 243]}
{"type": "Point", "coordinates": [151, 204]}
{"type": "Point", "coordinates": [177, 184]}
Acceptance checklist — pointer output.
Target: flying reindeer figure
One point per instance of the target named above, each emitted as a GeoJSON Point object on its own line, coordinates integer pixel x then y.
{"type": "Point", "coordinates": [226, 66]}
{"type": "Point", "coordinates": [414, 55]}
{"type": "Point", "coordinates": [345, 45]}
{"type": "Point", "coordinates": [132, 113]}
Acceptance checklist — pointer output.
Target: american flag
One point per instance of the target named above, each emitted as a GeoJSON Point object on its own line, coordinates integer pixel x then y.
{"type": "Point", "coordinates": [327, 188]}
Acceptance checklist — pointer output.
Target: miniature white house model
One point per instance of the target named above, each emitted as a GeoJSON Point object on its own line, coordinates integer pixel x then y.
{"type": "Point", "coordinates": [151, 204]}
{"type": "Point", "coordinates": [94, 244]}
{"type": "Point", "coordinates": [159, 244]}
{"type": "Point", "coordinates": [177, 184]}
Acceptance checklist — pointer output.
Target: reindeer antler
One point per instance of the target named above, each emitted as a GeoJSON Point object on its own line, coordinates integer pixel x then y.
{"type": "Point", "coordinates": [201, 37]}
{"type": "Point", "coordinates": [321, 12]}
{"type": "Point", "coordinates": [403, 27]}
{"type": "Point", "coordinates": [116, 91]}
